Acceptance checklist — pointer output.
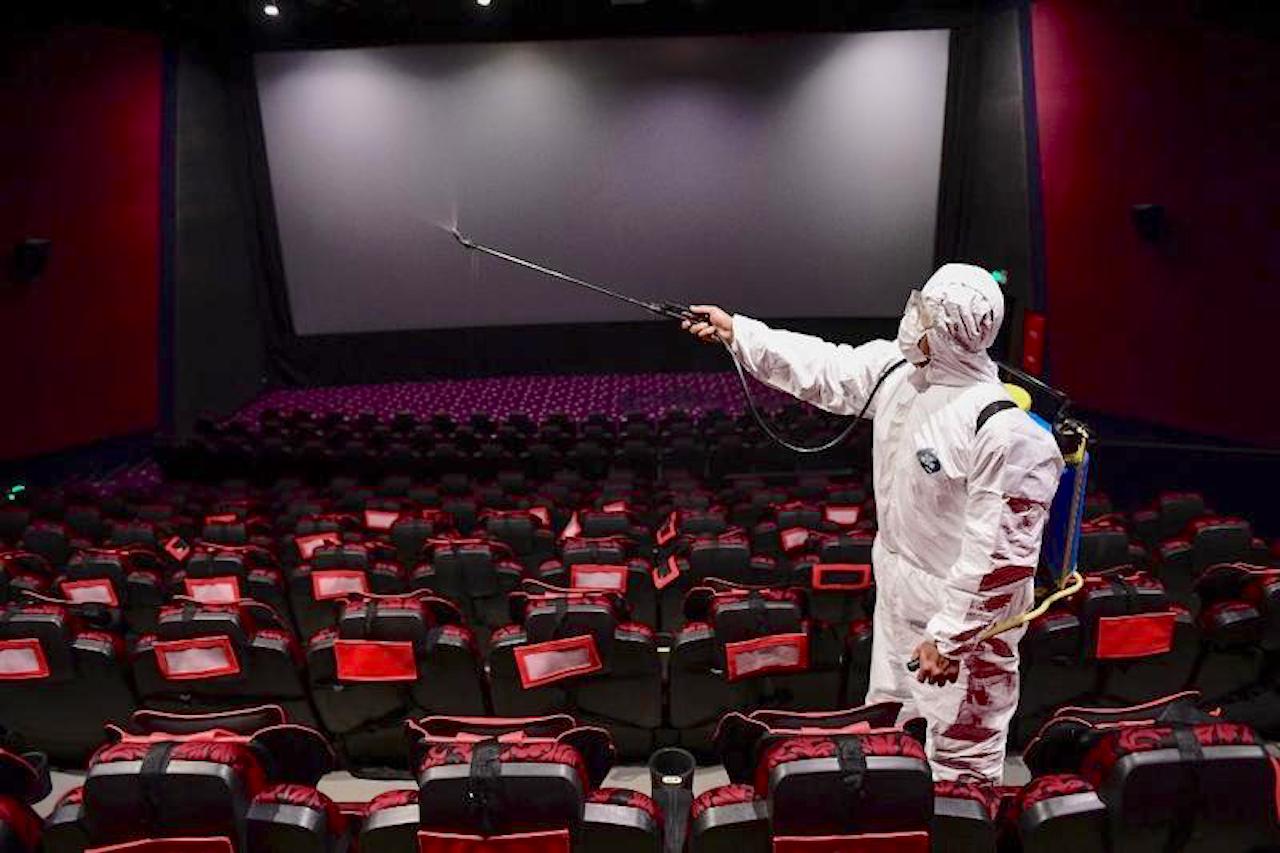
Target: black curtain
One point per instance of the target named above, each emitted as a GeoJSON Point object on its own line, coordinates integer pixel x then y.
{"type": "Point", "coordinates": [219, 299]}
{"type": "Point", "coordinates": [985, 210]}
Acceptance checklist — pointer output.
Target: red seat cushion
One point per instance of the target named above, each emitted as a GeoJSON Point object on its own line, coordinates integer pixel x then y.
{"type": "Point", "coordinates": [626, 797]}
{"type": "Point", "coordinates": [1113, 746]}
{"type": "Point", "coordinates": [393, 800]}
{"type": "Point", "coordinates": [23, 823]}
{"type": "Point", "coordinates": [1047, 787]}
{"type": "Point", "coordinates": [307, 797]}
{"type": "Point", "coordinates": [985, 795]}
{"type": "Point", "coordinates": [238, 756]}
{"type": "Point", "coordinates": [71, 798]}
{"type": "Point", "coordinates": [506, 632]}
{"type": "Point", "coordinates": [725, 795]}
{"type": "Point", "coordinates": [459, 632]}
{"type": "Point", "coordinates": [799, 748]}
{"type": "Point", "coordinates": [542, 752]}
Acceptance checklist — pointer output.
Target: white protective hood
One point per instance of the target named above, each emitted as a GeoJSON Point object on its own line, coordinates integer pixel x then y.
{"type": "Point", "coordinates": [967, 309]}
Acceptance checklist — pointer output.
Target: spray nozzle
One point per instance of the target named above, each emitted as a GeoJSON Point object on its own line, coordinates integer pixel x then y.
{"type": "Point", "coordinates": [457, 235]}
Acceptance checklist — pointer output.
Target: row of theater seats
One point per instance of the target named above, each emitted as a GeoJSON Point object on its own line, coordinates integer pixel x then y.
{"type": "Point", "coordinates": [281, 596]}
{"type": "Point", "coordinates": [714, 444]}
{"type": "Point", "coordinates": [275, 590]}
{"type": "Point", "coordinates": [65, 669]}
{"type": "Point", "coordinates": [1163, 776]}
{"type": "Point", "coordinates": [1176, 596]}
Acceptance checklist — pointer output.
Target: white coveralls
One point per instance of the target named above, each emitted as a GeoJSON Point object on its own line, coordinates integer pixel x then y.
{"type": "Point", "coordinates": [961, 510]}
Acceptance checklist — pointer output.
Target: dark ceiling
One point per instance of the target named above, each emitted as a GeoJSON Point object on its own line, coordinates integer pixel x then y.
{"type": "Point", "coordinates": [329, 23]}
{"type": "Point", "coordinates": [315, 23]}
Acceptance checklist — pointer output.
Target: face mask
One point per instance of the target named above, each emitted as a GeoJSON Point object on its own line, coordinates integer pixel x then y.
{"type": "Point", "coordinates": [916, 320]}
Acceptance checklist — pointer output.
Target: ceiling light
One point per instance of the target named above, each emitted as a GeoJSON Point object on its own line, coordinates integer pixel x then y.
{"type": "Point", "coordinates": [271, 10]}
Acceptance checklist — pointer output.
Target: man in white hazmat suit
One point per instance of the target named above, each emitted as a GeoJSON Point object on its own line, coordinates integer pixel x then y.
{"type": "Point", "coordinates": [963, 484]}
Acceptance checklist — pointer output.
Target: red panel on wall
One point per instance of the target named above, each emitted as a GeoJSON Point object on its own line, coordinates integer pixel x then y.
{"type": "Point", "coordinates": [1139, 102]}
{"type": "Point", "coordinates": [1033, 327]}
{"type": "Point", "coordinates": [80, 164]}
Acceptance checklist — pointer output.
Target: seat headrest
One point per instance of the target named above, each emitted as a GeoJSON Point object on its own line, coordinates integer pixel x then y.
{"type": "Point", "coordinates": [439, 726]}
{"type": "Point", "coordinates": [410, 616]}
{"type": "Point", "coordinates": [14, 560]}
{"type": "Point", "coordinates": [349, 555]}
{"type": "Point", "coordinates": [244, 721]}
{"type": "Point", "coordinates": [739, 611]}
{"type": "Point", "coordinates": [37, 635]}
{"type": "Point", "coordinates": [24, 777]}
{"type": "Point", "coordinates": [294, 754]}
{"type": "Point", "coordinates": [880, 715]}
{"type": "Point", "coordinates": [1231, 580]}
{"type": "Point", "coordinates": [1063, 740]}
{"type": "Point", "coordinates": [289, 754]}
{"type": "Point", "coordinates": [551, 616]}
{"type": "Point", "coordinates": [593, 744]}
{"type": "Point", "coordinates": [186, 617]}
{"type": "Point", "coordinates": [740, 739]}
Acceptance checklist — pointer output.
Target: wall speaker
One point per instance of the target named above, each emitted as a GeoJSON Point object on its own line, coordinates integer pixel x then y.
{"type": "Point", "coordinates": [1149, 220]}
{"type": "Point", "coordinates": [30, 257]}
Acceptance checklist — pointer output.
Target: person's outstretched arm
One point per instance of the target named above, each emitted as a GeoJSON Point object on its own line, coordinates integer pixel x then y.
{"type": "Point", "coordinates": [835, 377]}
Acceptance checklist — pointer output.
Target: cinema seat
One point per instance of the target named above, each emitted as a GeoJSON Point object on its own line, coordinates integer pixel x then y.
{"type": "Point", "coordinates": [687, 516]}
{"type": "Point", "coordinates": [14, 519]}
{"type": "Point", "coordinates": [613, 518]}
{"type": "Point", "coordinates": [1172, 777]}
{"type": "Point", "coordinates": [214, 657]}
{"type": "Point", "coordinates": [21, 572]}
{"type": "Point", "coordinates": [527, 532]}
{"type": "Point", "coordinates": [517, 785]}
{"type": "Point", "coordinates": [128, 577]}
{"type": "Point", "coordinates": [242, 780]}
{"type": "Point", "coordinates": [1239, 621]}
{"type": "Point", "coordinates": [86, 521]}
{"type": "Point", "coordinates": [143, 532]}
{"type": "Point", "coordinates": [389, 658]}
{"type": "Point", "coordinates": [1104, 544]}
{"type": "Point", "coordinates": [1139, 642]}
{"type": "Point", "coordinates": [24, 781]}
{"type": "Point", "coordinates": [475, 572]}
{"type": "Point", "coordinates": [49, 539]}
{"type": "Point", "coordinates": [1052, 672]}
{"type": "Point", "coordinates": [786, 529]}
{"type": "Point", "coordinates": [219, 573]}
{"type": "Point", "coordinates": [315, 531]}
{"type": "Point", "coordinates": [576, 651]}
{"type": "Point", "coordinates": [832, 782]}
{"type": "Point", "coordinates": [62, 676]}
{"type": "Point", "coordinates": [1059, 813]}
{"type": "Point", "coordinates": [744, 648]}
{"type": "Point", "coordinates": [693, 559]}
{"type": "Point", "coordinates": [318, 586]}
{"type": "Point", "coordinates": [836, 570]}
{"type": "Point", "coordinates": [1205, 541]}
{"type": "Point", "coordinates": [1168, 515]}
{"type": "Point", "coordinates": [587, 563]}
{"type": "Point", "coordinates": [409, 533]}
{"type": "Point", "coordinates": [965, 817]}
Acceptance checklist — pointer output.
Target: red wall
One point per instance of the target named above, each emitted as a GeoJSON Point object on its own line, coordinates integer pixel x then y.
{"type": "Point", "coordinates": [1137, 102]}
{"type": "Point", "coordinates": [80, 164]}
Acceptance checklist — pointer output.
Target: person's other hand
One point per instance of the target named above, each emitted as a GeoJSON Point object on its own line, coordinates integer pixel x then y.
{"type": "Point", "coordinates": [934, 668]}
{"type": "Point", "coordinates": [721, 324]}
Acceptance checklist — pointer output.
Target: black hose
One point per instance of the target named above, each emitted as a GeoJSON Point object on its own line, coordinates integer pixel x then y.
{"type": "Point", "coordinates": [800, 448]}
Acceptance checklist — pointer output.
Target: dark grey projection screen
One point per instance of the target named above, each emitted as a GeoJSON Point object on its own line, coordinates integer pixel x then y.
{"type": "Point", "coordinates": [787, 176]}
